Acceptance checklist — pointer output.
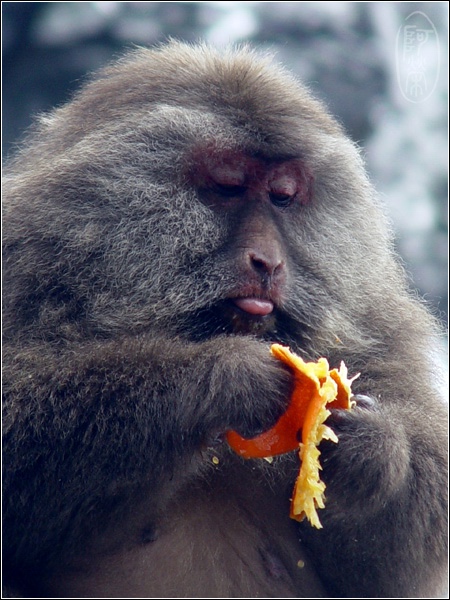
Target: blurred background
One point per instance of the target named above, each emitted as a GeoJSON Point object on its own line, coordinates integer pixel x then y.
{"type": "Point", "coordinates": [381, 67]}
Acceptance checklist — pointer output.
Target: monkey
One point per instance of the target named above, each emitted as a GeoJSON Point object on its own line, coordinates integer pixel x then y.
{"type": "Point", "coordinates": [187, 208]}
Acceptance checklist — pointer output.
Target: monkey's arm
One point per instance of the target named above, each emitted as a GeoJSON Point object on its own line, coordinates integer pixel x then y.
{"type": "Point", "coordinates": [385, 514]}
{"type": "Point", "coordinates": [81, 426]}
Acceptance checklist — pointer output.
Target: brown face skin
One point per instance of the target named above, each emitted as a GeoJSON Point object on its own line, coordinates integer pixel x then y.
{"type": "Point", "coordinates": [256, 198]}
{"type": "Point", "coordinates": [184, 211]}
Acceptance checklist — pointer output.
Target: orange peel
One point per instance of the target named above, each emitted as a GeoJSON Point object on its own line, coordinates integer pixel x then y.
{"type": "Point", "coordinates": [302, 427]}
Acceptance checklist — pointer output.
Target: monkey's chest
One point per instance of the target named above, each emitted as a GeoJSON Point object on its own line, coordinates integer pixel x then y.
{"type": "Point", "coordinates": [206, 545]}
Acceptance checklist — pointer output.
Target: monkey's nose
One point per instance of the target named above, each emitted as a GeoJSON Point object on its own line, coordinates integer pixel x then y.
{"type": "Point", "coordinates": [267, 263]}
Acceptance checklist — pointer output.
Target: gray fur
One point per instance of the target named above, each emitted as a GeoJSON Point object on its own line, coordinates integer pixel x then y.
{"type": "Point", "coordinates": [115, 389]}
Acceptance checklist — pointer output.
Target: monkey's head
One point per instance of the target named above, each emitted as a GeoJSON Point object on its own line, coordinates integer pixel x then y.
{"type": "Point", "coordinates": [199, 193]}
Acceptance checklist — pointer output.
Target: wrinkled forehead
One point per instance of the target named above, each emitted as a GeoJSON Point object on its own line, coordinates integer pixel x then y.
{"type": "Point", "coordinates": [280, 138]}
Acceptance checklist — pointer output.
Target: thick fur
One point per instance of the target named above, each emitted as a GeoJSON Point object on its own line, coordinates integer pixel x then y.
{"type": "Point", "coordinates": [121, 372]}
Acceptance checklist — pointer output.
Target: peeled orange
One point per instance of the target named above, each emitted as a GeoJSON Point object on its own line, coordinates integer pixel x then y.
{"type": "Point", "coordinates": [302, 427]}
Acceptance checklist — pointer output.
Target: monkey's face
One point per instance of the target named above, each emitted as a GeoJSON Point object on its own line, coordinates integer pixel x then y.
{"type": "Point", "coordinates": [198, 201]}
{"type": "Point", "coordinates": [211, 235]}
{"type": "Point", "coordinates": [254, 199]}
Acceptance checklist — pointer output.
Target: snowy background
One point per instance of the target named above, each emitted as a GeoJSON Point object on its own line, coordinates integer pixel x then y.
{"type": "Point", "coordinates": [380, 66]}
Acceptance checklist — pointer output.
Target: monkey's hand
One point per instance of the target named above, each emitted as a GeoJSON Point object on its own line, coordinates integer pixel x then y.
{"type": "Point", "coordinates": [385, 479]}
{"type": "Point", "coordinates": [373, 448]}
{"type": "Point", "coordinates": [247, 388]}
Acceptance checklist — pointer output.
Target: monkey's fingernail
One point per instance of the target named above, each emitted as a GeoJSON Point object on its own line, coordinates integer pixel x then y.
{"type": "Point", "coordinates": [215, 439]}
{"type": "Point", "coordinates": [363, 401]}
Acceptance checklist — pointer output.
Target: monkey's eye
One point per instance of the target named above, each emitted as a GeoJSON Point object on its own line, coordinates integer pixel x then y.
{"type": "Point", "coordinates": [228, 190]}
{"type": "Point", "coordinates": [281, 200]}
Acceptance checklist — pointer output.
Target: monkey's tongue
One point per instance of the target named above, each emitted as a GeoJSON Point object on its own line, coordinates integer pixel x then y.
{"type": "Point", "coordinates": [254, 306]}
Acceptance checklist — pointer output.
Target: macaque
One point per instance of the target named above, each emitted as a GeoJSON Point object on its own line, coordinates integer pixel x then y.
{"type": "Point", "coordinates": [188, 208]}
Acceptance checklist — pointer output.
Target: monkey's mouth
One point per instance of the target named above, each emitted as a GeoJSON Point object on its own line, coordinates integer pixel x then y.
{"type": "Point", "coordinates": [250, 315]}
{"type": "Point", "coordinates": [243, 315]}
{"type": "Point", "coordinates": [254, 306]}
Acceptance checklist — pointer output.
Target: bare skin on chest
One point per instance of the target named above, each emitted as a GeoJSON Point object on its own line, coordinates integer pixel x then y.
{"type": "Point", "coordinates": [206, 544]}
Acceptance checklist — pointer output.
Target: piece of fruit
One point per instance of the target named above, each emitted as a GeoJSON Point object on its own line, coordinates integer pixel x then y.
{"type": "Point", "coordinates": [302, 427]}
